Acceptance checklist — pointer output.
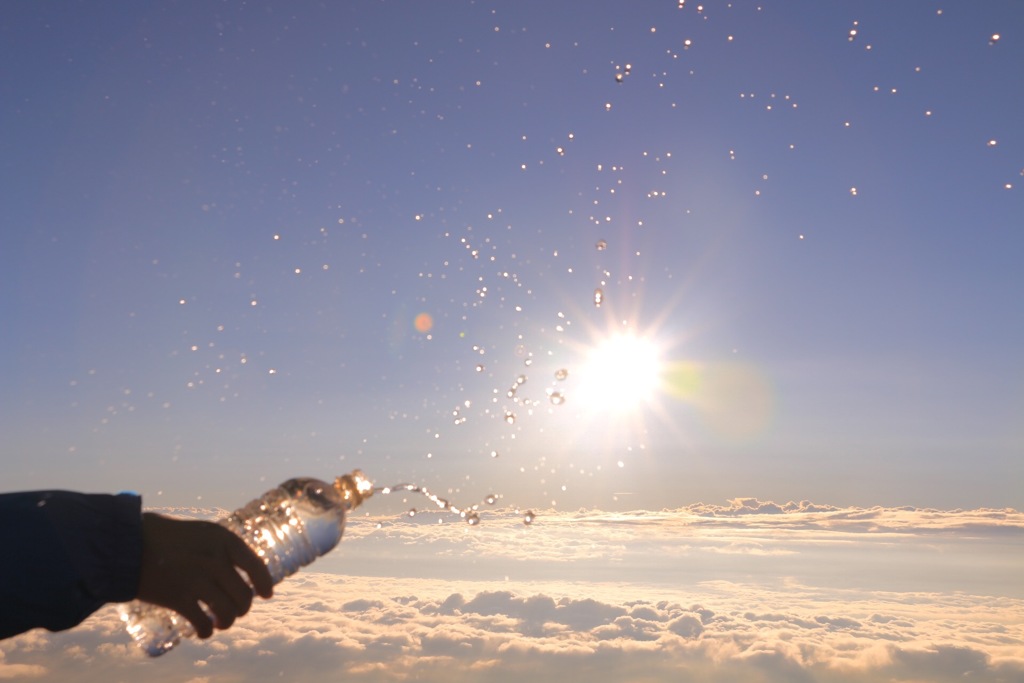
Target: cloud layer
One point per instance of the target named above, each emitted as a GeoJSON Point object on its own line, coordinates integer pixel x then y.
{"type": "Point", "coordinates": [661, 608]}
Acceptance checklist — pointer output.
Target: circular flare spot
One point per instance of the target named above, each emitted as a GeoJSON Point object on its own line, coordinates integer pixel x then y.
{"type": "Point", "coordinates": [423, 323]}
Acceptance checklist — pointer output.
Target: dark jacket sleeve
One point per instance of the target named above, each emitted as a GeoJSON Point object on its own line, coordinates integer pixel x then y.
{"type": "Point", "coordinates": [63, 555]}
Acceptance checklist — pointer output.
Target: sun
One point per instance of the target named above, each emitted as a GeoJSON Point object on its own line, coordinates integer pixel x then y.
{"type": "Point", "coordinates": [620, 373]}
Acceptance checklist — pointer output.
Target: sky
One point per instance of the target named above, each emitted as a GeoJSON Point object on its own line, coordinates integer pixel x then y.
{"type": "Point", "coordinates": [629, 266]}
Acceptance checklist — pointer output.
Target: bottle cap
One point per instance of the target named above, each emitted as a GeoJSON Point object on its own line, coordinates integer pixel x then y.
{"type": "Point", "coordinates": [354, 488]}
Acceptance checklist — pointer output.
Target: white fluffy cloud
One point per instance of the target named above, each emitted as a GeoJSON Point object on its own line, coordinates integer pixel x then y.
{"type": "Point", "coordinates": [644, 596]}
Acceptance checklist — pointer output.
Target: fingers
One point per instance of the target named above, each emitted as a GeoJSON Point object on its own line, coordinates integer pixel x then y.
{"type": "Point", "coordinates": [224, 608]}
{"type": "Point", "coordinates": [235, 590]}
{"type": "Point", "coordinates": [218, 603]}
{"type": "Point", "coordinates": [200, 621]}
{"type": "Point", "coordinates": [227, 594]}
{"type": "Point", "coordinates": [254, 567]}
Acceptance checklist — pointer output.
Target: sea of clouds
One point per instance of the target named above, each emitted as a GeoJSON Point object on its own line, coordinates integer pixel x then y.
{"type": "Point", "coordinates": [748, 591]}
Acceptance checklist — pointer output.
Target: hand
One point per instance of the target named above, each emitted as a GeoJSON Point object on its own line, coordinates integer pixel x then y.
{"type": "Point", "coordinates": [188, 562]}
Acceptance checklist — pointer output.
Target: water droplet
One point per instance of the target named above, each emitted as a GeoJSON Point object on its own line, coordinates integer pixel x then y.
{"type": "Point", "coordinates": [598, 297]}
{"type": "Point", "coordinates": [561, 374]}
{"type": "Point", "coordinates": [510, 417]}
{"type": "Point", "coordinates": [521, 379]}
{"type": "Point", "coordinates": [412, 512]}
{"type": "Point", "coordinates": [528, 517]}
{"type": "Point", "coordinates": [490, 499]}
{"type": "Point", "coordinates": [472, 519]}
{"type": "Point", "coordinates": [494, 454]}
{"type": "Point", "coordinates": [601, 245]}
{"type": "Point", "coordinates": [994, 39]}
{"type": "Point", "coordinates": [556, 398]}
{"type": "Point", "coordinates": [480, 367]}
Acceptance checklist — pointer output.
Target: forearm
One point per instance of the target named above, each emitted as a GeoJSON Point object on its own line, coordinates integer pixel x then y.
{"type": "Point", "coordinates": [65, 555]}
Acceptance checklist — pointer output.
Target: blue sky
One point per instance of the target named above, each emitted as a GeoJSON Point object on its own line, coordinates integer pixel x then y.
{"type": "Point", "coordinates": [189, 187]}
{"type": "Point", "coordinates": [244, 242]}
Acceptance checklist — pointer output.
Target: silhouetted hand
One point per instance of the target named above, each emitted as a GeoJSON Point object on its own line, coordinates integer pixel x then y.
{"type": "Point", "coordinates": [187, 562]}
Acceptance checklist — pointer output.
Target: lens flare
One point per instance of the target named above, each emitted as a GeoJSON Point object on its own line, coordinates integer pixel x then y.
{"type": "Point", "coordinates": [423, 323]}
{"type": "Point", "coordinates": [735, 400]}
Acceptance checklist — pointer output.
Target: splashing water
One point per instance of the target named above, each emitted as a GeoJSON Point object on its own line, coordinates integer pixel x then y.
{"type": "Point", "coordinates": [468, 514]}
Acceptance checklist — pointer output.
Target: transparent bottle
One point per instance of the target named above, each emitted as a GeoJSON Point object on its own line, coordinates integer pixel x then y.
{"type": "Point", "coordinates": [288, 527]}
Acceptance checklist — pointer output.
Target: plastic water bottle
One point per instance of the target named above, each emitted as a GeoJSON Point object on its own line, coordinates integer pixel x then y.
{"type": "Point", "coordinates": [288, 527]}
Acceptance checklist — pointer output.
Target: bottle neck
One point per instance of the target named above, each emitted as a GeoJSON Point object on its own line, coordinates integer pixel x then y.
{"type": "Point", "coordinates": [353, 488]}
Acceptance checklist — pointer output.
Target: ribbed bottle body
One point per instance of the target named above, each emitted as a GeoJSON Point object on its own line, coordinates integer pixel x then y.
{"type": "Point", "coordinates": [292, 525]}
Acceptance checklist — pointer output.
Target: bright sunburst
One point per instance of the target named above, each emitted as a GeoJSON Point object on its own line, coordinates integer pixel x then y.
{"type": "Point", "coordinates": [620, 373]}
